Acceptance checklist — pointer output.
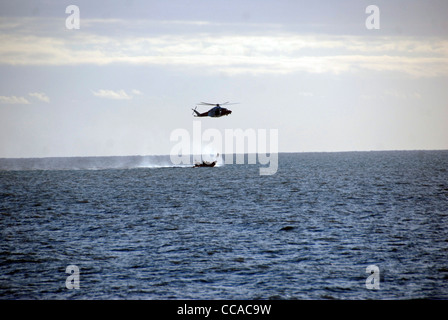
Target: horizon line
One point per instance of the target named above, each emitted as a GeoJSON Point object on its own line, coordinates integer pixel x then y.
{"type": "Point", "coordinates": [225, 154]}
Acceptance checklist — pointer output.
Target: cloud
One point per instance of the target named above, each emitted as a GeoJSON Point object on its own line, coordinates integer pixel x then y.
{"type": "Point", "coordinates": [22, 100]}
{"type": "Point", "coordinates": [40, 96]}
{"type": "Point", "coordinates": [402, 95]}
{"type": "Point", "coordinates": [275, 52]}
{"type": "Point", "coordinates": [13, 100]}
{"type": "Point", "coordinates": [115, 95]}
{"type": "Point", "coordinates": [392, 93]}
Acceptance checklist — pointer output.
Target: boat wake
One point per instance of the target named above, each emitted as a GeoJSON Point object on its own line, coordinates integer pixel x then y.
{"type": "Point", "coordinates": [88, 163]}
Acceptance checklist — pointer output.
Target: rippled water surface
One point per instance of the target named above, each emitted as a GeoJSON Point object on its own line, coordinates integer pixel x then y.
{"type": "Point", "coordinates": [307, 232]}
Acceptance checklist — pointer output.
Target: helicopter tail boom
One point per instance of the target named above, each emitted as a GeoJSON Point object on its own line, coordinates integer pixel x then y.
{"type": "Point", "coordinates": [197, 114]}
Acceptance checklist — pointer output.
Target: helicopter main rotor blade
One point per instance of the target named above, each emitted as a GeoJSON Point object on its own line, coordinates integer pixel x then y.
{"type": "Point", "coordinates": [218, 104]}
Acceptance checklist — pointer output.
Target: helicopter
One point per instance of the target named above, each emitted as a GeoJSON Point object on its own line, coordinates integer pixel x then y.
{"type": "Point", "coordinates": [215, 112]}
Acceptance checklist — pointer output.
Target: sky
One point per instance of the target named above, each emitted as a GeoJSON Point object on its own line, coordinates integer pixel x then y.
{"type": "Point", "coordinates": [129, 76]}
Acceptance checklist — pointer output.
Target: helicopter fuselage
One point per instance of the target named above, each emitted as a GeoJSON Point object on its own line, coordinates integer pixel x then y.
{"type": "Point", "coordinates": [215, 112]}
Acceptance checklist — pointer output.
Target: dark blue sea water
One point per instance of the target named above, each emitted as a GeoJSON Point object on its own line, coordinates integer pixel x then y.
{"type": "Point", "coordinates": [138, 228]}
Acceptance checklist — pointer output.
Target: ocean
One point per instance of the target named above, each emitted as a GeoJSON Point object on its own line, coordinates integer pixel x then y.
{"type": "Point", "coordinates": [140, 228]}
